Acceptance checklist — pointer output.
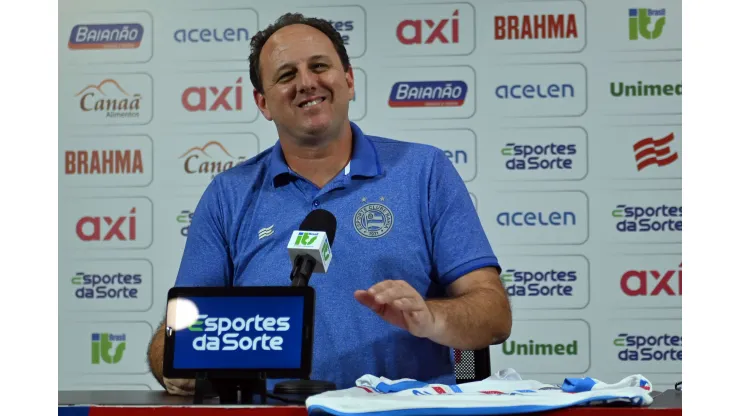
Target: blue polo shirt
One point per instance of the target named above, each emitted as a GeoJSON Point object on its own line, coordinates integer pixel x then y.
{"type": "Point", "coordinates": [402, 211]}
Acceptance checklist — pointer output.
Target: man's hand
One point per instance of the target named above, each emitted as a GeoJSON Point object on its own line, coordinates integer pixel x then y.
{"type": "Point", "coordinates": [401, 305]}
{"type": "Point", "coordinates": [179, 386]}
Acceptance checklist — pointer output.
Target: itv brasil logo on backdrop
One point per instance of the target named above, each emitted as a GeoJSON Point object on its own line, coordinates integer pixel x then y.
{"type": "Point", "coordinates": [103, 343]}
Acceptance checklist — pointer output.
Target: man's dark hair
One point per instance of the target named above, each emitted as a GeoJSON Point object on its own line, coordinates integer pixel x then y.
{"type": "Point", "coordinates": [260, 38]}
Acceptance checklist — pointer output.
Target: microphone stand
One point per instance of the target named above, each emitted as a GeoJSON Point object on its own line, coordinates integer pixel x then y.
{"type": "Point", "coordinates": [303, 267]}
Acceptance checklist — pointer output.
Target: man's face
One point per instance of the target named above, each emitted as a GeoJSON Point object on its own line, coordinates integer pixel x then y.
{"type": "Point", "coordinates": [307, 92]}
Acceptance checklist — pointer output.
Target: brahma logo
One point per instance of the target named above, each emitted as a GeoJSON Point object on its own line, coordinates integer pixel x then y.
{"type": "Point", "coordinates": [539, 283]}
{"type": "Point", "coordinates": [647, 218]}
{"type": "Point", "coordinates": [212, 98]}
{"type": "Point", "coordinates": [553, 156]}
{"type": "Point", "coordinates": [652, 282]}
{"type": "Point", "coordinates": [428, 94]}
{"type": "Point", "coordinates": [106, 36]}
{"type": "Point", "coordinates": [649, 152]}
{"type": "Point", "coordinates": [103, 162]}
{"type": "Point", "coordinates": [429, 31]}
{"type": "Point", "coordinates": [543, 26]}
{"type": "Point", "coordinates": [228, 331]}
{"type": "Point", "coordinates": [666, 347]}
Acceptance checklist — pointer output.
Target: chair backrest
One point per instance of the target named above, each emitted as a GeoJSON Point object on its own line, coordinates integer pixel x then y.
{"type": "Point", "coordinates": [472, 365]}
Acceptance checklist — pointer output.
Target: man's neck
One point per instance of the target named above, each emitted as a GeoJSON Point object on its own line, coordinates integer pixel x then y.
{"type": "Point", "coordinates": [320, 164]}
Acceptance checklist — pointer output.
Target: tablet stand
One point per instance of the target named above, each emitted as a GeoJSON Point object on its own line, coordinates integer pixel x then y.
{"type": "Point", "coordinates": [229, 390]}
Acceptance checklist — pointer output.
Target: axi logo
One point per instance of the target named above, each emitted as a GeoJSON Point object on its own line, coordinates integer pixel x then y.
{"type": "Point", "coordinates": [535, 219]}
{"type": "Point", "coordinates": [539, 283]}
{"type": "Point", "coordinates": [646, 219]}
{"type": "Point", "coordinates": [305, 238]}
{"type": "Point", "coordinates": [667, 283]}
{"type": "Point", "coordinates": [114, 228]}
{"type": "Point", "coordinates": [185, 218]}
{"type": "Point", "coordinates": [664, 347]}
{"type": "Point", "coordinates": [640, 20]}
{"type": "Point", "coordinates": [227, 98]}
{"type": "Point", "coordinates": [544, 26]}
{"type": "Point", "coordinates": [110, 98]}
{"type": "Point", "coordinates": [552, 156]}
{"type": "Point", "coordinates": [429, 31]}
{"type": "Point", "coordinates": [106, 36]}
{"type": "Point", "coordinates": [103, 162]}
{"type": "Point", "coordinates": [428, 94]}
{"type": "Point", "coordinates": [106, 286]}
{"type": "Point", "coordinates": [532, 348]}
{"type": "Point", "coordinates": [649, 151]}
{"type": "Point", "coordinates": [102, 343]}
{"type": "Point", "coordinates": [209, 159]}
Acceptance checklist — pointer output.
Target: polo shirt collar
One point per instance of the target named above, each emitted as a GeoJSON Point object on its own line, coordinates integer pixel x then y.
{"type": "Point", "coordinates": [364, 162]}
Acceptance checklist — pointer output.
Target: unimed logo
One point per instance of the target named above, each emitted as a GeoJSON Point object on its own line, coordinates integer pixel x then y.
{"type": "Point", "coordinates": [107, 348]}
{"type": "Point", "coordinates": [513, 347]}
{"type": "Point", "coordinates": [652, 282]}
{"type": "Point", "coordinates": [94, 228]}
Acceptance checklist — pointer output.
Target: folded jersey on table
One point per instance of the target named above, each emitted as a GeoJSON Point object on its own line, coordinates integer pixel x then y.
{"type": "Point", "coordinates": [503, 393]}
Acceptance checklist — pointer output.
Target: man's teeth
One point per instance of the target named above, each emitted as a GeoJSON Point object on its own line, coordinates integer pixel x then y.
{"type": "Point", "coordinates": [310, 103]}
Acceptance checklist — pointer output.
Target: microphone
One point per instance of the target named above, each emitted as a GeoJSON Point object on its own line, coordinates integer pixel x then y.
{"type": "Point", "coordinates": [310, 246]}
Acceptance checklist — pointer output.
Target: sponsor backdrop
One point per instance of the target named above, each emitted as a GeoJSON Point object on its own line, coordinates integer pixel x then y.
{"type": "Point", "coordinates": [563, 118]}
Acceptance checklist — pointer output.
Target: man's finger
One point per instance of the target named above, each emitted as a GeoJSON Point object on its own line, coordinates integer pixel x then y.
{"type": "Point", "coordinates": [409, 304]}
{"type": "Point", "coordinates": [382, 286]}
{"type": "Point", "coordinates": [367, 300]}
{"type": "Point", "coordinates": [396, 292]}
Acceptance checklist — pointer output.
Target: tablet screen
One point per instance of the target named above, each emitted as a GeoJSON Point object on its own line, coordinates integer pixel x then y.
{"type": "Point", "coordinates": [248, 332]}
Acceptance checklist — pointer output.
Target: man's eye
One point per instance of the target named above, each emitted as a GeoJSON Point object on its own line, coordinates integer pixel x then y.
{"type": "Point", "coordinates": [286, 76]}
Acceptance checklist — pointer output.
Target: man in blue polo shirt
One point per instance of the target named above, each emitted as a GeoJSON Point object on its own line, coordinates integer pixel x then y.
{"type": "Point", "coordinates": [412, 273]}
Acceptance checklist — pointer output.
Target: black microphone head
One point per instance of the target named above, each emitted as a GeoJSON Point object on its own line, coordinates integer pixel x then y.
{"type": "Point", "coordinates": [321, 220]}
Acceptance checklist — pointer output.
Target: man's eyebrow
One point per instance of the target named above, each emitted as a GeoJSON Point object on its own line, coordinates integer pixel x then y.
{"type": "Point", "coordinates": [291, 64]}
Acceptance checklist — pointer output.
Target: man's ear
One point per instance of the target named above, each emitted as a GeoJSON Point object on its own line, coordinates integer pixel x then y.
{"type": "Point", "coordinates": [259, 100]}
{"type": "Point", "coordinates": [350, 77]}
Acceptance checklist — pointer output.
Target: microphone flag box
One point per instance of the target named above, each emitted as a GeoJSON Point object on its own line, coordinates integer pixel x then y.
{"type": "Point", "coordinates": [314, 244]}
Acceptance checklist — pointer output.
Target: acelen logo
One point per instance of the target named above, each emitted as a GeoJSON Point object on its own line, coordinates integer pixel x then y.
{"type": "Point", "coordinates": [91, 228]}
{"type": "Point", "coordinates": [429, 31]}
{"type": "Point", "coordinates": [544, 26]}
{"type": "Point", "coordinates": [214, 98]}
{"type": "Point", "coordinates": [649, 151]}
{"type": "Point", "coordinates": [428, 94]}
{"type": "Point", "coordinates": [652, 282]}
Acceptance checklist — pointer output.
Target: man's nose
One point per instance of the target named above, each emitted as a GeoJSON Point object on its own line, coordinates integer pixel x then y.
{"type": "Point", "coordinates": [307, 80]}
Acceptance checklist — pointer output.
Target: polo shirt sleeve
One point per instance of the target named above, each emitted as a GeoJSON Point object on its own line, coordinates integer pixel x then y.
{"type": "Point", "coordinates": [459, 243]}
{"type": "Point", "coordinates": [206, 260]}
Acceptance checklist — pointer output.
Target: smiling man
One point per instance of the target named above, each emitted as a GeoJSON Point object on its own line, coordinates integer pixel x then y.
{"type": "Point", "coordinates": [413, 273]}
